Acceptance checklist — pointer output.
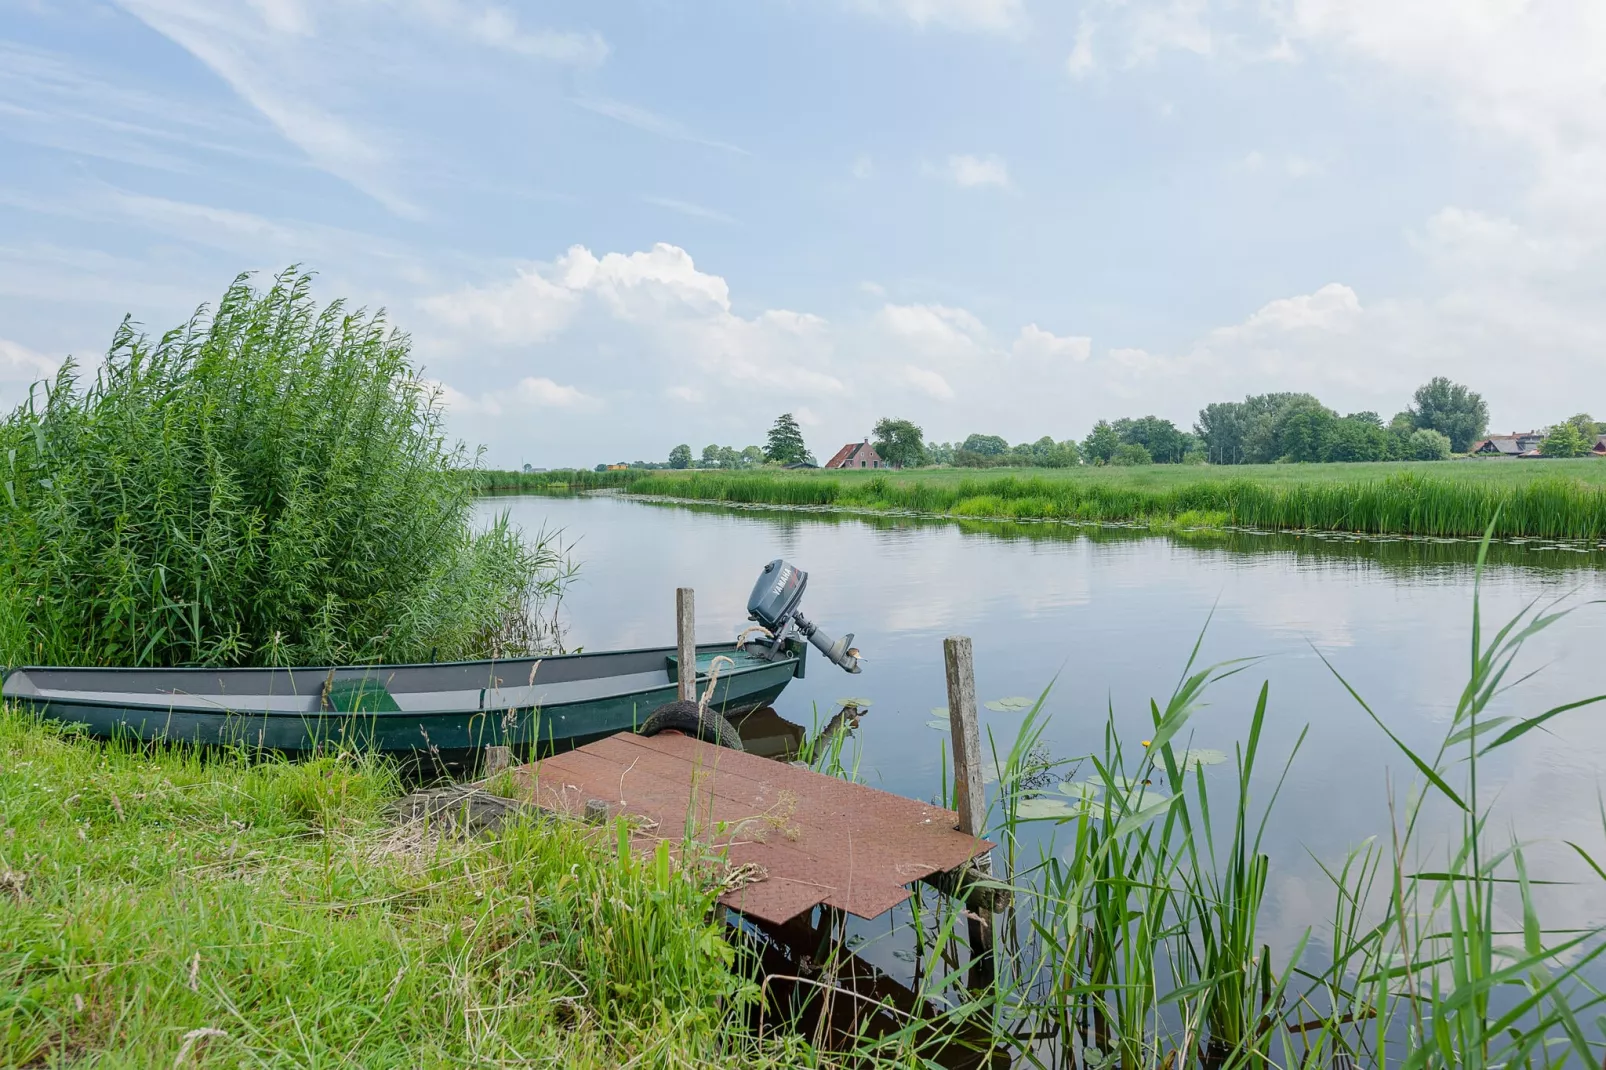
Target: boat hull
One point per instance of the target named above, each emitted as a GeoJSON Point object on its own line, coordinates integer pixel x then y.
{"type": "Point", "coordinates": [540, 705]}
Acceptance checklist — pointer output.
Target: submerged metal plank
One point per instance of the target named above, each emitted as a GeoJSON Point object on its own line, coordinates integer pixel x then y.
{"type": "Point", "coordinates": [816, 839]}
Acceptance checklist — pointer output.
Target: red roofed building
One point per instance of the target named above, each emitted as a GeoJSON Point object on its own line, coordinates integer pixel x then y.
{"type": "Point", "coordinates": [856, 455]}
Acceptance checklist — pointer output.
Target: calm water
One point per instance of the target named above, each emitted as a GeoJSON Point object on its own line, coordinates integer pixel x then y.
{"type": "Point", "coordinates": [1109, 618]}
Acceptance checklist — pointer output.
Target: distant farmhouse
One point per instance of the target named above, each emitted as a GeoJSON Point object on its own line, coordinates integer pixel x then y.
{"type": "Point", "coordinates": [1524, 444]}
{"type": "Point", "coordinates": [856, 455]}
{"type": "Point", "coordinates": [1516, 444]}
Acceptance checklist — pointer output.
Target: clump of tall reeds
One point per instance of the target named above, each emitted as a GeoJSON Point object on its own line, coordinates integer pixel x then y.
{"type": "Point", "coordinates": [1134, 939]}
{"type": "Point", "coordinates": [1407, 503]}
{"type": "Point", "coordinates": [267, 483]}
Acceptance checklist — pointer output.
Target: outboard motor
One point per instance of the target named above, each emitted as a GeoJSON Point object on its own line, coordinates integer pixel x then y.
{"type": "Point", "coordinates": [773, 604]}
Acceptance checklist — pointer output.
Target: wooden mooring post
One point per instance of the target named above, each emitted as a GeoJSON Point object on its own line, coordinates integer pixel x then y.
{"type": "Point", "coordinates": [970, 792]}
{"type": "Point", "coordinates": [686, 642]}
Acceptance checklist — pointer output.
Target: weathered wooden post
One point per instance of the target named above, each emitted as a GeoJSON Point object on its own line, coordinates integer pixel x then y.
{"type": "Point", "coordinates": [970, 792]}
{"type": "Point", "coordinates": [496, 760]}
{"type": "Point", "coordinates": [686, 641]}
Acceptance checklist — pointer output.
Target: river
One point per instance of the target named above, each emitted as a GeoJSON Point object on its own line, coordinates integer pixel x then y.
{"type": "Point", "coordinates": [1108, 617]}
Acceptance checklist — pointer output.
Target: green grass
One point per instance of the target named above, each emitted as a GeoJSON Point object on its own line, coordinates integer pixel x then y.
{"type": "Point", "coordinates": [150, 898]}
{"type": "Point", "coordinates": [267, 483]}
{"type": "Point", "coordinates": [1544, 499]}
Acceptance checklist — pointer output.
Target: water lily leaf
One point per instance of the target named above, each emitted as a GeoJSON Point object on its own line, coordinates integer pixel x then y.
{"type": "Point", "coordinates": [1079, 789]}
{"type": "Point", "coordinates": [904, 954]}
{"type": "Point", "coordinates": [940, 711]}
{"type": "Point", "coordinates": [861, 703]}
{"type": "Point", "coordinates": [1041, 806]}
{"type": "Point", "coordinates": [1193, 759]}
{"type": "Point", "coordinates": [940, 724]}
{"type": "Point", "coordinates": [1013, 704]}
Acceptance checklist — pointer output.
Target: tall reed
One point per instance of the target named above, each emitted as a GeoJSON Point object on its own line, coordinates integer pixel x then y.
{"type": "Point", "coordinates": [268, 482]}
{"type": "Point", "coordinates": [1410, 502]}
{"type": "Point", "coordinates": [1134, 939]}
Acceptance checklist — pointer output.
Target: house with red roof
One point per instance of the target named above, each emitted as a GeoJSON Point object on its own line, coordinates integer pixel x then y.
{"type": "Point", "coordinates": [856, 455]}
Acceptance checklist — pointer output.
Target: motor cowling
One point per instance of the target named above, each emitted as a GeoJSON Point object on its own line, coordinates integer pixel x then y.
{"type": "Point", "coordinates": [774, 604]}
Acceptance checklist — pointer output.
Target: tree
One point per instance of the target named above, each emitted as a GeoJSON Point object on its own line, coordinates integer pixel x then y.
{"type": "Point", "coordinates": [1101, 443]}
{"type": "Point", "coordinates": [1046, 453]}
{"type": "Point", "coordinates": [1565, 440]}
{"type": "Point", "coordinates": [728, 458]}
{"type": "Point", "coordinates": [710, 457]}
{"type": "Point", "coordinates": [1220, 428]}
{"type": "Point", "coordinates": [1426, 444]}
{"type": "Point", "coordinates": [940, 452]}
{"type": "Point", "coordinates": [1586, 426]}
{"type": "Point", "coordinates": [1359, 437]}
{"type": "Point", "coordinates": [899, 443]}
{"type": "Point", "coordinates": [1162, 440]}
{"type": "Point", "coordinates": [1451, 409]}
{"type": "Point", "coordinates": [1131, 453]}
{"type": "Point", "coordinates": [785, 442]}
{"type": "Point", "coordinates": [680, 456]}
{"type": "Point", "coordinates": [986, 445]}
{"type": "Point", "coordinates": [752, 457]}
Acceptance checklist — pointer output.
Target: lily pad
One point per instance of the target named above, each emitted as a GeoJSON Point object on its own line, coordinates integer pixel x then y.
{"type": "Point", "coordinates": [1193, 759]}
{"type": "Point", "coordinates": [861, 703]}
{"type": "Point", "coordinates": [1013, 704]}
{"type": "Point", "coordinates": [940, 724]}
{"type": "Point", "coordinates": [1042, 806]}
{"type": "Point", "coordinates": [1079, 789]}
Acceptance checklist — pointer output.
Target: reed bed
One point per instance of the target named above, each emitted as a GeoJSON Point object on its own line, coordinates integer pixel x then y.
{"type": "Point", "coordinates": [1133, 941]}
{"type": "Point", "coordinates": [1338, 498]}
{"type": "Point", "coordinates": [267, 483]}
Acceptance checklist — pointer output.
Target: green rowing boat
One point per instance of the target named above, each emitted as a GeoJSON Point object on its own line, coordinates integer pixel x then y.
{"type": "Point", "coordinates": [550, 703]}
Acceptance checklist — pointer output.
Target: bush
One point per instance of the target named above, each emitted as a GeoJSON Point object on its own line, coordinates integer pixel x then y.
{"type": "Point", "coordinates": [1129, 453]}
{"type": "Point", "coordinates": [268, 484]}
{"type": "Point", "coordinates": [1426, 444]}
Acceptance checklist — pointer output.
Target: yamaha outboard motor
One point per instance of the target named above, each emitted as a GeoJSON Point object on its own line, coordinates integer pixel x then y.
{"type": "Point", "coordinates": [773, 604]}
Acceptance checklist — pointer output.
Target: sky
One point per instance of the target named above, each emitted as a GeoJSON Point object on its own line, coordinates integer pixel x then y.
{"type": "Point", "coordinates": [610, 228]}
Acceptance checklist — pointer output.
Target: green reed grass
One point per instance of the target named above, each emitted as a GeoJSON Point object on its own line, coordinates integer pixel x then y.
{"type": "Point", "coordinates": [1134, 943]}
{"type": "Point", "coordinates": [1457, 499]}
{"type": "Point", "coordinates": [267, 483]}
{"type": "Point", "coordinates": [158, 910]}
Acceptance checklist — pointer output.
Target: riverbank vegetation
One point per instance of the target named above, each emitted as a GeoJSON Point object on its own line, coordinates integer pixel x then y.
{"type": "Point", "coordinates": [1136, 938]}
{"type": "Point", "coordinates": [1540, 498]}
{"type": "Point", "coordinates": [158, 908]}
{"type": "Point", "coordinates": [266, 483]}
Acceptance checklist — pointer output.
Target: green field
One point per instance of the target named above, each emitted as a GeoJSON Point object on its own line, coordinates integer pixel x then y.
{"type": "Point", "coordinates": [1541, 499]}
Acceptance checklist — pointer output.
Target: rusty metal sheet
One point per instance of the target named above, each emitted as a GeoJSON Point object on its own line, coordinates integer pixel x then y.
{"type": "Point", "coordinates": [817, 838]}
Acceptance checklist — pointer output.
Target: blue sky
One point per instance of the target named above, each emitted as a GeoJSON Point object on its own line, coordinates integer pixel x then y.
{"type": "Point", "coordinates": [613, 227]}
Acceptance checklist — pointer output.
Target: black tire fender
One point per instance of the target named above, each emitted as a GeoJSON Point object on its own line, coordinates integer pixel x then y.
{"type": "Point", "coordinates": [682, 716]}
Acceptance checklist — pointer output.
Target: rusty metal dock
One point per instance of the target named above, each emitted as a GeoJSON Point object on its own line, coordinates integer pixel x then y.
{"type": "Point", "coordinates": [802, 838]}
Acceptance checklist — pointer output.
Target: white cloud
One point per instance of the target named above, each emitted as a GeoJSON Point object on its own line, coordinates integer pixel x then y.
{"type": "Point", "coordinates": [539, 390]}
{"type": "Point", "coordinates": [650, 122]}
{"type": "Point", "coordinates": [927, 382]}
{"type": "Point", "coordinates": [863, 168]}
{"type": "Point", "coordinates": [687, 208]}
{"type": "Point", "coordinates": [1034, 343]}
{"type": "Point", "coordinates": [20, 368]}
{"type": "Point", "coordinates": [936, 331]}
{"type": "Point", "coordinates": [528, 308]}
{"type": "Point", "coordinates": [298, 72]}
{"type": "Point", "coordinates": [992, 15]}
{"type": "Point", "coordinates": [968, 172]}
{"type": "Point", "coordinates": [1080, 63]}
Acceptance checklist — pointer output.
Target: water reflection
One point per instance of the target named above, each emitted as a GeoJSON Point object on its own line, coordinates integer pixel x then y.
{"type": "Point", "coordinates": [1108, 617]}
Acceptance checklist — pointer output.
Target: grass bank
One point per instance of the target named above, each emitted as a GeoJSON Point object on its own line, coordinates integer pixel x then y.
{"type": "Point", "coordinates": [161, 910]}
{"type": "Point", "coordinates": [1541, 499]}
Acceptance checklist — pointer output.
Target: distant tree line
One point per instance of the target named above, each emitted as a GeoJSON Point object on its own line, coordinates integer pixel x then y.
{"type": "Point", "coordinates": [1443, 419]}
